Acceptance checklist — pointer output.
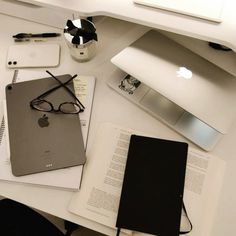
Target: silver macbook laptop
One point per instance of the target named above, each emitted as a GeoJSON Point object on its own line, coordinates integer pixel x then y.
{"type": "Point", "coordinates": [41, 141]}
{"type": "Point", "coordinates": [187, 92]}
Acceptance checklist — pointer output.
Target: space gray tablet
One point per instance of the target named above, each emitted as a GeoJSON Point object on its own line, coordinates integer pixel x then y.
{"type": "Point", "coordinates": [42, 141]}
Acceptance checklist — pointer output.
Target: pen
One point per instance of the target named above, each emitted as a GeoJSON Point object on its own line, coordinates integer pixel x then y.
{"type": "Point", "coordinates": [29, 35]}
{"type": "Point", "coordinates": [28, 40]}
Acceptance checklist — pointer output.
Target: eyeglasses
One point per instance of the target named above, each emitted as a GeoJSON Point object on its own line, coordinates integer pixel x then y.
{"type": "Point", "coordinates": [41, 104]}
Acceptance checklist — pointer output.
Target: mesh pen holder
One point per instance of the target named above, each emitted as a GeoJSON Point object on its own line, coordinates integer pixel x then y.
{"type": "Point", "coordinates": [81, 38]}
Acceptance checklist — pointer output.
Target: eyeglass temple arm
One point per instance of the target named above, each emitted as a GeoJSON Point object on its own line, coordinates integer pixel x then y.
{"type": "Point", "coordinates": [55, 88]}
{"type": "Point", "coordinates": [63, 85]}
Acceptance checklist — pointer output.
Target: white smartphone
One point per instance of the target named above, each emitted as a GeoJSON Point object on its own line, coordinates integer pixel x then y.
{"type": "Point", "coordinates": [33, 55]}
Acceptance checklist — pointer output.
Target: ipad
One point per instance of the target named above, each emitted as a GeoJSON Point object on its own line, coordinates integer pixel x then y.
{"type": "Point", "coordinates": [41, 141]}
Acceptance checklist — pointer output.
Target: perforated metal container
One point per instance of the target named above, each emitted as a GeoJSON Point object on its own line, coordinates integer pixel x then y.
{"type": "Point", "coordinates": [81, 38]}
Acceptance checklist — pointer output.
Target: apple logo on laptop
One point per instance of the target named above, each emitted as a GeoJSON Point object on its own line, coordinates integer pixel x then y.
{"type": "Point", "coordinates": [43, 121]}
{"type": "Point", "coordinates": [185, 73]}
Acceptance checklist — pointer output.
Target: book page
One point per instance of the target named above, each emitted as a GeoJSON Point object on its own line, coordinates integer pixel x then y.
{"type": "Point", "coordinates": [203, 181]}
{"type": "Point", "coordinates": [98, 199]}
{"type": "Point", "coordinates": [84, 89]}
{"type": "Point", "coordinates": [100, 192]}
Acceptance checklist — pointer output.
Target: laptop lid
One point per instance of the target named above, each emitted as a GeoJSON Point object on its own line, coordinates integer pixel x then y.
{"type": "Point", "coordinates": [42, 141]}
{"type": "Point", "coordinates": [185, 78]}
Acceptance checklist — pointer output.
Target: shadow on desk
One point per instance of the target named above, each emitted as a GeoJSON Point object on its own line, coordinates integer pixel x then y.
{"type": "Point", "coordinates": [17, 219]}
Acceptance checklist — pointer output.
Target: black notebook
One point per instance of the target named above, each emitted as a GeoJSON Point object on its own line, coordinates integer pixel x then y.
{"type": "Point", "coordinates": [152, 193]}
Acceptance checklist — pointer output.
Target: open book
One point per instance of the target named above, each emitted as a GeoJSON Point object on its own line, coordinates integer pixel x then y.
{"type": "Point", "coordinates": [98, 199]}
{"type": "Point", "coordinates": [67, 178]}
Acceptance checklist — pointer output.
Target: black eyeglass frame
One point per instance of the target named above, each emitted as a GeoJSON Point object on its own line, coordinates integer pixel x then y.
{"type": "Point", "coordinates": [40, 99]}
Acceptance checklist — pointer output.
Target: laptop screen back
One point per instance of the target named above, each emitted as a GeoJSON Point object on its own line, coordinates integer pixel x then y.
{"type": "Point", "coordinates": [185, 78]}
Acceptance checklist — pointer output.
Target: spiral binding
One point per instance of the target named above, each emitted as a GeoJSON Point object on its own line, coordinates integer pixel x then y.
{"type": "Point", "coordinates": [3, 125]}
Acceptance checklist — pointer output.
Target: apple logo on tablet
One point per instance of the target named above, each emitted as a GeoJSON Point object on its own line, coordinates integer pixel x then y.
{"type": "Point", "coordinates": [43, 121]}
{"type": "Point", "coordinates": [185, 73]}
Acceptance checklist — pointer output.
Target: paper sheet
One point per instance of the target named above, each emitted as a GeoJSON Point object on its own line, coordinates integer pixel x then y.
{"type": "Point", "coordinates": [100, 192]}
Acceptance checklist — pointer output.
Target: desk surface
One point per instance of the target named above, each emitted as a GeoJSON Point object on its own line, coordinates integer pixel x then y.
{"type": "Point", "coordinates": [223, 33]}
{"type": "Point", "coordinates": [108, 106]}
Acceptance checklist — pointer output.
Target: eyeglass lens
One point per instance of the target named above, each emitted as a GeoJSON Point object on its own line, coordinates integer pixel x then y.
{"type": "Point", "coordinates": [42, 105]}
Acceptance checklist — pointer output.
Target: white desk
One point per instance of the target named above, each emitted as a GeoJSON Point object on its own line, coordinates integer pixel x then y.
{"type": "Point", "coordinates": [108, 107]}
{"type": "Point", "coordinates": [223, 32]}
